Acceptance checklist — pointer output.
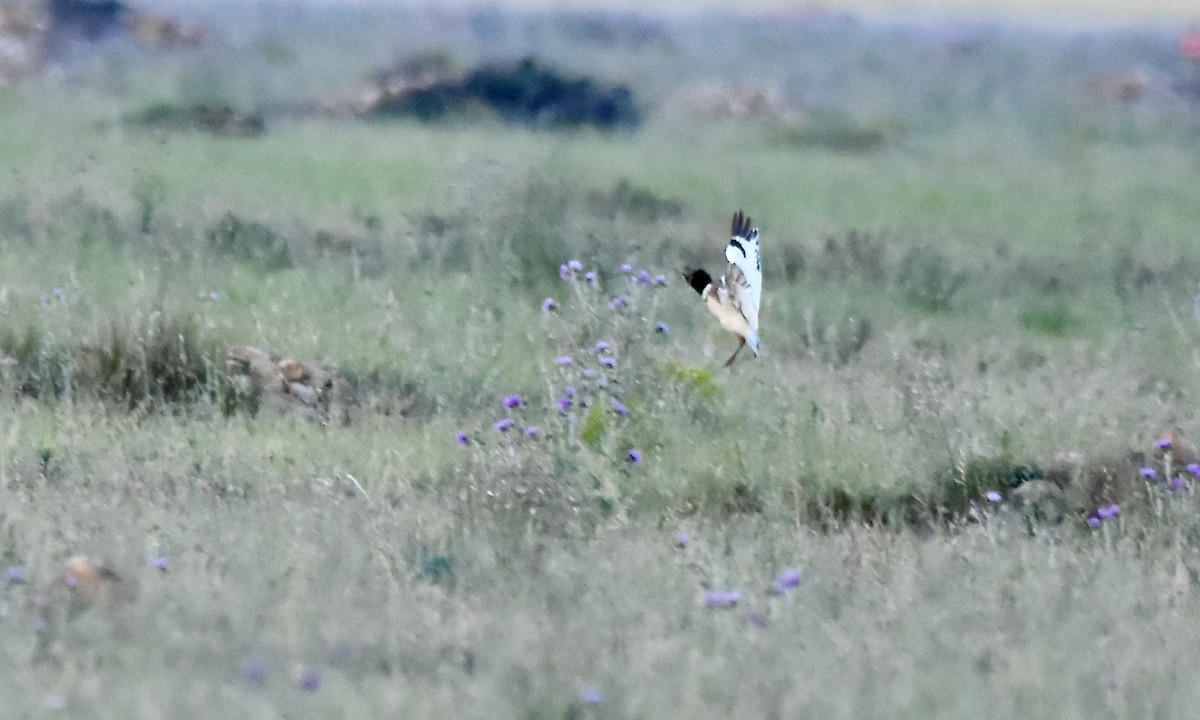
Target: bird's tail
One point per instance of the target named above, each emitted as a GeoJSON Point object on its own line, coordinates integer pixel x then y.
{"type": "Point", "coordinates": [753, 341]}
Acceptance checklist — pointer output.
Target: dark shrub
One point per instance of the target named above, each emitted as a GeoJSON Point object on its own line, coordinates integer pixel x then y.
{"type": "Point", "coordinates": [525, 92]}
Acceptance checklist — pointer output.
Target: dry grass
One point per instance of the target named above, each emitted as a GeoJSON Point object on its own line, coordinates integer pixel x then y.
{"type": "Point", "coordinates": [946, 314]}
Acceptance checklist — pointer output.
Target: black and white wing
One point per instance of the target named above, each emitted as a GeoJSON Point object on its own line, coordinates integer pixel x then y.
{"type": "Point", "coordinates": [743, 277]}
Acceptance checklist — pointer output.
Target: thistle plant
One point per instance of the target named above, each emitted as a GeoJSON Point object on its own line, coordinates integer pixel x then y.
{"type": "Point", "coordinates": [557, 453]}
{"type": "Point", "coordinates": [602, 333]}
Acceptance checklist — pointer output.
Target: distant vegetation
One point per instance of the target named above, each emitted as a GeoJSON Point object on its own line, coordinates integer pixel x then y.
{"type": "Point", "coordinates": [525, 92]}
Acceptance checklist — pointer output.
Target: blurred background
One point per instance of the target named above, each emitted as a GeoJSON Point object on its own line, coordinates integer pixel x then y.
{"type": "Point", "coordinates": [353, 334]}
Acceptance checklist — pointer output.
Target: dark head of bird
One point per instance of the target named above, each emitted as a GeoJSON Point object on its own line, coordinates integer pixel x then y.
{"type": "Point", "coordinates": [698, 279]}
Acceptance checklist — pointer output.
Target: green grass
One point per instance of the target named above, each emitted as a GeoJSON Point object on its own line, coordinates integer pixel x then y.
{"type": "Point", "coordinates": [1007, 280]}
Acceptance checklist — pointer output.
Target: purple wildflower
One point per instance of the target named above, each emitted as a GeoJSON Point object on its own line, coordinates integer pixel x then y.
{"type": "Point", "coordinates": [619, 407]}
{"type": "Point", "coordinates": [1194, 468]}
{"type": "Point", "coordinates": [617, 303]}
{"type": "Point", "coordinates": [564, 403]}
{"type": "Point", "coordinates": [588, 372]}
{"type": "Point", "coordinates": [569, 391]}
{"type": "Point", "coordinates": [660, 279]}
{"type": "Point", "coordinates": [644, 277]}
{"type": "Point", "coordinates": [533, 431]}
{"type": "Point", "coordinates": [722, 598]}
{"type": "Point", "coordinates": [661, 328]}
{"type": "Point", "coordinates": [549, 305]}
{"type": "Point", "coordinates": [1178, 483]}
{"type": "Point", "coordinates": [511, 401]}
{"type": "Point", "coordinates": [58, 292]}
{"type": "Point", "coordinates": [1093, 521]}
{"type": "Point", "coordinates": [1110, 511]}
{"type": "Point", "coordinates": [787, 580]}
{"type": "Point", "coordinates": [682, 539]}
{"type": "Point", "coordinates": [503, 425]}
{"type": "Point", "coordinates": [1163, 443]}
{"type": "Point", "coordinates": [608, 361]}
{"type": "Point", "coordinates": [600, 346]}
{"type": "Point", "coordinates": [591, 696]}
{"type": "Point", "coordinates": [158, 562]}
{"type": "Point", "coordinates": [590, 277]}
{"type": "Point", "coordinates": [1148, 472]}
{"type": "Point", "coordinates": [574, 265]}
{"type": "Point", "coordinates": [15, 574]}
{"type": "Point", "coordinates": [564, 360]}
{"type": "Point", "coordinates": [310, 680]}
{"type": "Point", "coordinates": [461, 438]}
{"type": "Point", "coordinates": [626, 268]}
{"type": "Point", "coordinates": [564, 272]}
{"type": "Point", "coordinates": [254, 671]}
{"type": "Point", "coordinates": [635, 456]}
{"type": "Point", "coordinates": [993, 496]}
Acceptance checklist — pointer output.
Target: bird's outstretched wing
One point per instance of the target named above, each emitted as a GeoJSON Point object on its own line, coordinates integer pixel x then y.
{"type": "Point", "coordinates": [743, 276]}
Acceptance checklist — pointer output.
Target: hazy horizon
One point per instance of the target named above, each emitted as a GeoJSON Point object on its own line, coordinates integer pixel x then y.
{"type": "Point", "coordinates": [1070, 10]}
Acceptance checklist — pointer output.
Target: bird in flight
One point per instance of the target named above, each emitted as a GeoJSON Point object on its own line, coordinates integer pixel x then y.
{"type": "Point", "coordinates": [735, 301]}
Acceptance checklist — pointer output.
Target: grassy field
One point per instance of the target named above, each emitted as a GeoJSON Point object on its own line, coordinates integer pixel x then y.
{"type": "Point", "coordinates": [977, 260]}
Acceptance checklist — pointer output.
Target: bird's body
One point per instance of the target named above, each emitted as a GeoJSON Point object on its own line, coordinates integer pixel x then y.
{"type": "Point", "coordinates": [735, 300]}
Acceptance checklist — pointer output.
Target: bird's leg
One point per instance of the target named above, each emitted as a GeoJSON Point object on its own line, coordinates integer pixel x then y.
{"type": "Point", "coordinates": [741, 344]}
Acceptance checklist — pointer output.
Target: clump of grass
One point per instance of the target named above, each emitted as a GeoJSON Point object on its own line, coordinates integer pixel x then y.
{"type": "Point", "coordinates": [840, 133]}
{"type": "Point", "coordinates": [148, 195]}
{"type": "Point", "coordinates": [833, 508]}
{"type": "Point", "coordinates": [1138, 270]}
{"type": "Point", "coordinates": [536, 240]}
{"type": "Point", "coordinates": [250, 242]}
{"type": "Point", "coordinates": [715, 495]}
{"type": "Point", "coordinates": [163, 360]}
{"type": "Point", "coordinates": [1049, 317]}
{"type": "Point", "coordinates": [856, 253]}
{"type": "Point", "coordinates": [694, 380]}
{"type": "Point", "coordinates": [154, 361]}
{"type": "Point", "coordinates": [955, 488]}
{"type": "Point", "coordinates": [387, 393]}
{"type": "Point", "coordinates": [625, 198]}
{"type": "Point", "coordinates": [594, 425]}
{"type": "Point", "coordinates": [31, 365]}
{"type": "Point", "coordinates": [835, 343]}
{"type": "Point", "coordinates": [98, 224]}
{"type": "Point", "coordinates": [215, 119]}
{"type": "Point", "coordinates": [928, 278]}
{"type": "Point", "coordinates": [950, 497]}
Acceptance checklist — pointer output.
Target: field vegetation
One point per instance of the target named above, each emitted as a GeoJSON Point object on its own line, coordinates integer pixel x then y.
{"type": "Point", "coordinates": [537, 494]}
